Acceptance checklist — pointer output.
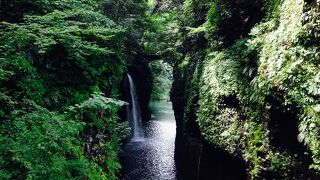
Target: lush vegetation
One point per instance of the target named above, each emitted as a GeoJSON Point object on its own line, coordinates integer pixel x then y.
{"type": "Point", "coordinates": [246, 78]}
{"type": "Point", "coordinates": [162, 80]}
{"type": "Point", "coordinates": [59, 60]}
{"type": "Point", "coordinates": [249, 74]}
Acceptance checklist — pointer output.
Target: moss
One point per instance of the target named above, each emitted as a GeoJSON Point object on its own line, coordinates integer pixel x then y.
{"type": "Point", "coordinates": [279, 57]}
{"type": "Point", "coordinates": [289, 65]}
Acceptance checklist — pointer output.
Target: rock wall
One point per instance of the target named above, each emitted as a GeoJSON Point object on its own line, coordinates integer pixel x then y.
{"type": "Point", "coordinates": [142, 77]}
{"type": "Point", "coordinates": [246, 90]}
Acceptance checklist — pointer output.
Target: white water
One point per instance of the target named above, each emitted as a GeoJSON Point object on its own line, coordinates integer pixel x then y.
{"type": "Point", "coordinates": [153, 158]}
{"type": "Point", "coordinates": [134, 114]}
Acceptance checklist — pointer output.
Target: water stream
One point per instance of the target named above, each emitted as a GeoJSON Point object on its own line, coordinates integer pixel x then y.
{"type": "Point", "coordinates": [149, 155]}
{"type": "Point", "coordinates": [133, 113]}
{"type": "Point", "coordinates": [153, 158]}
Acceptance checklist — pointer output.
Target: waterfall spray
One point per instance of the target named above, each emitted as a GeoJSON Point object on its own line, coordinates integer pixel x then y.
{"type": "Point", "coordinates": [134, 114]}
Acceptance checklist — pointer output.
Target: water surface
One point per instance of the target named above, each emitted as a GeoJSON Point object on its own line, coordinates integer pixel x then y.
{"type": "Point", "coordinates": [152, 158]}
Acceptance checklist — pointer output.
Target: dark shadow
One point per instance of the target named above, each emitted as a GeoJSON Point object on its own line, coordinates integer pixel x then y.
{"type": "Point", "coordinates": [197, 160]}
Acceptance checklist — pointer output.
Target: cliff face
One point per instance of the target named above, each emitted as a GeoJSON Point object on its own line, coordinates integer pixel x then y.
{"type": "Point", "coordinates": [142, 77]}
{"type": "Point", "coordinates": [247, 90]}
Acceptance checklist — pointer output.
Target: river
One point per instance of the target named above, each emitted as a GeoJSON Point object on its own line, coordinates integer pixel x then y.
{"type": "Point", "coordinates": [153, 157]}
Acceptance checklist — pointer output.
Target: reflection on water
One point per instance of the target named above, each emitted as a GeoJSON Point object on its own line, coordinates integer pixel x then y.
{"type": "Point", "coordinates": [153, 158]}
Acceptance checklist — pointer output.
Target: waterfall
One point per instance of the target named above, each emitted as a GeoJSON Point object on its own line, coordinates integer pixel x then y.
{"type": "Point", "coordinates": [133, 113]}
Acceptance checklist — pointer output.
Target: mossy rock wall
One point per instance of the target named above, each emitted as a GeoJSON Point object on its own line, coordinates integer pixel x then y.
{"type": "Point", "coordinates": [253, 91]}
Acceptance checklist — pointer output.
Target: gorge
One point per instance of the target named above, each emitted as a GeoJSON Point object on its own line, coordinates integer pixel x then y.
{"type": "Point", "coordinates": [160, 89]}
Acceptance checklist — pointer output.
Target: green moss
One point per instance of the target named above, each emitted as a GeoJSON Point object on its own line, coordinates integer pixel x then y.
{"type": "Point", "coordinates": [281, 55]}
{"type": "Point", "coordinates": [288, 65]}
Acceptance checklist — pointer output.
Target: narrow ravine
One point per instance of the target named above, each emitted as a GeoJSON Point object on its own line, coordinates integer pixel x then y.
{"type": "Point", "coordinates": [152, 158]}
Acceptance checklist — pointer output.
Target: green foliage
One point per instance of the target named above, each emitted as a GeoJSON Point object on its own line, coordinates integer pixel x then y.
{"type": "Point", "coordinates": [44, 145]}
{"type": "Point", "coordinates": [37, 143]}
{"type": "Point", "coordinates": [124, 9]}
{"type": "Point", "coordinates": [162, 80]}
{"type": "Point", "coordinates": [54, 54]}
{"type": "Point", "coordinates": [287, 63]}
{"type": "Point", "coordinates": [162, 36]}
{"type": "Point", "coordinates": [32, 151]}
{"type": "Point", "coordinates": [15, 10]}
{"type": "Point", "coordinates": [48, 50]}
{"type": "Point", "coordinates": [284, 64]}
{"type": "Point", "coordinates": [240, 71]}
{"type": "Point", "coordinates": [100, 114]}
{"type": "Point", "coordinates": [226, 99]}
